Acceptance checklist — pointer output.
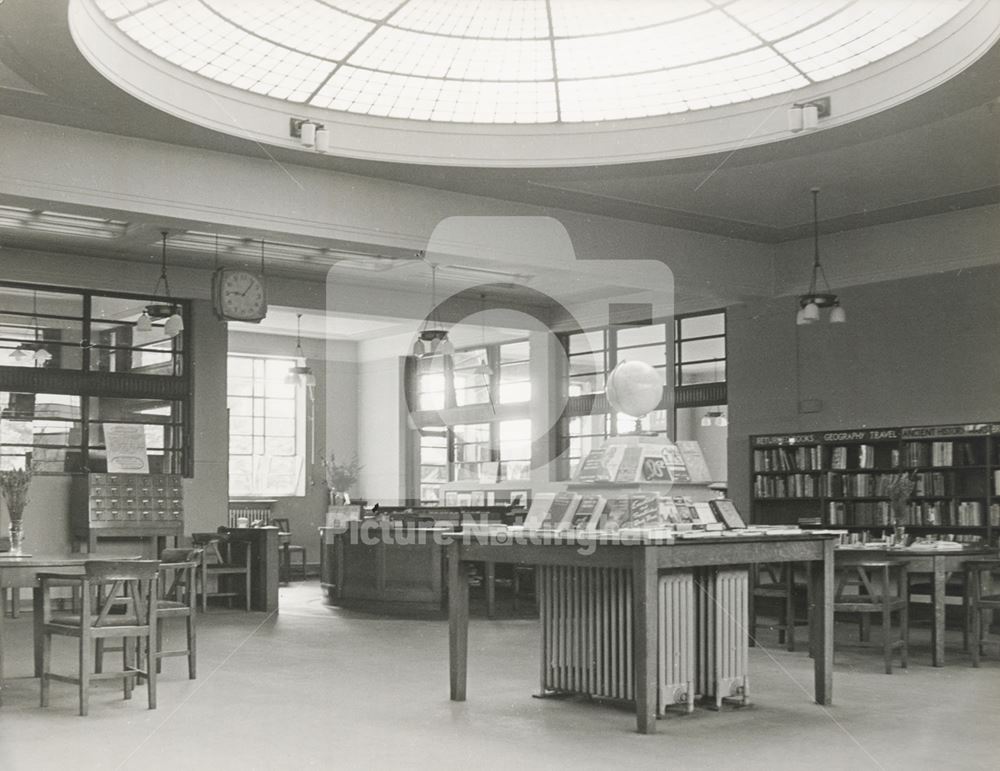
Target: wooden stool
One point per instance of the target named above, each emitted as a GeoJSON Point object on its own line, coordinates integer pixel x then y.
{"type": "Point", "coordinates": [874, 580]}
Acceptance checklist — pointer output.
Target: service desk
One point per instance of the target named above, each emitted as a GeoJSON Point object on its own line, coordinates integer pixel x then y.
{"type": "Point", "coordinates": [392, 564]}
{"type": "Point", "coordinates": [646, 560]}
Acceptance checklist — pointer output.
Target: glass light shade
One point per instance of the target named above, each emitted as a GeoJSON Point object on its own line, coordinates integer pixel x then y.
{"type": "Point", "coordinates": [418, 348]}
{"type": "Point", "coordinates": [810, 313]}
{"type": "Point", "coordinates": [42, 356]}
{"type": "Point", "coordinates": [322, 140]}
{"type": "Point", "coordinates": [810, 116]}
{"type": "Point", "coordinates": [445, 348]}
{"type": "Point", "coordinates": [308, 137]}
{"type": "Point", "coordinates": [18, 354]}
{"type": "Point", "coordinates": [706, 420]}
{"type": "Point", "coordinates": [795, 119]}
{"type": "Point", "coordinates": [722, 420]}
{"type": "Point", "coordinates": [838, 315]}
{"type": "Point", "coordinates": [174, 325]}
{"type": "Point", "coordinates": [145, 323]}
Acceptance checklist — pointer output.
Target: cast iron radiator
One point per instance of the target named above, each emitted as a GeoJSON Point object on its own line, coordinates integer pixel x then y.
{"type": "Point", "coordinates": [721, 598]}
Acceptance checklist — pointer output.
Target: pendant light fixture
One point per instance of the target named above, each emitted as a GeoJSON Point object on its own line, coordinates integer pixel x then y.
{"type": "Point", "coordinates": [714, 418]}
{"type": "Point", "coordinates": [813, 300]}
{"type": "Point", "coordinates": [301, 373]}
{"type": "Point", "coordinates": [433, 338]}
{"type": "Point", "coordinates": [166, 310]}
{"type": "Point", "coordinates": [35, 349]}
{"type": "Point", "coordinates": [483, 368]}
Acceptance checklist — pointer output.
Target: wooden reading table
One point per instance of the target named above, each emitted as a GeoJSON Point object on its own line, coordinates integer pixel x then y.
{"type": "Point", "coordinates": [645, 559]}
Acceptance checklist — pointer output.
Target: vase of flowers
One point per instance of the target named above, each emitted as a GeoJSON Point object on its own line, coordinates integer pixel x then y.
{"type": "Point", "coordinates": [14, 485]}
{"type": "Point", "coordinates": [900, 490]}
{"type": "Point", "coordinates": [340, 477]}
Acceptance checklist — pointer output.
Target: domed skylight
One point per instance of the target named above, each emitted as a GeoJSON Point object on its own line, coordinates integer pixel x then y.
{"type": "Point", "coordinates": [523, 61]}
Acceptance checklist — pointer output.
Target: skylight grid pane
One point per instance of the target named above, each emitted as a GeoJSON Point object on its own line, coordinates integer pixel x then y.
{"type": "Point", "coordinates": [115, 9]}
{"type": "Point", "coordinates": [375, 10]}
{"type": "Point", "coordinates": [573, 18]}
{"type": "Point", "coordinates": [415, 53]}
{"type": "Point", "coordinates": [181, 31]}
{"type": "Point", "coordinates": [303, 25]}
{"type": "Point", "coordinates": [708, 36]}
{"type": "Point", "coordinates": [504, 19]}
{"type": "Point", "coordinates": [776, 19]}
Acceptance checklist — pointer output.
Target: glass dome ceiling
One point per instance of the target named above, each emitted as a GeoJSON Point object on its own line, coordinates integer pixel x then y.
{"type": "Point", "coordinates": [523, 61]}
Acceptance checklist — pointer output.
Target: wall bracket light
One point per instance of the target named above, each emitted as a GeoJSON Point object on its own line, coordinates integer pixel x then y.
{"type": "Point", "coordinates": [805, 116]}
{"type": "Point", "coordinates": [310, 134]}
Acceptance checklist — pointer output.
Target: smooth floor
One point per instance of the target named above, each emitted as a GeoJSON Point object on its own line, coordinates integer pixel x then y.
{"type": "Point", "coordinates": [318, 687]}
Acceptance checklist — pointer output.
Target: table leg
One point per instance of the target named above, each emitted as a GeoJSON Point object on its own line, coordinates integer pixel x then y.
{"type": "Point", "coordinates": [458, 623]}
{"type": "Point", "coordinates": [37, 613]}
{"type": "Point", "coordinates": [644, 589]}
{"type": "Point", "coordinates": [938, 609]}
{"type": "Point", "coordinates": [489, 578]}
{"type": "Point", "coordinates": [2, 590]}
{"type": "Point", "coordinates": [821, 632]}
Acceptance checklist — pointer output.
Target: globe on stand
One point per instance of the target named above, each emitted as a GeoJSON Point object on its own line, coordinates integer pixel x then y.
{"type": "Point", "coordinates": [634, 388]}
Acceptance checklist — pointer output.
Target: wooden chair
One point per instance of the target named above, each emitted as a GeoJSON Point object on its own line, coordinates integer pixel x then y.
{"type": "Point", "coordinates": [289, 549]}
{"type": "Point", "coordinates": [874, 581]}
{"type": "Point", "coordinates": [116, 600]}
{"type": "Point", "coordinates": [774, 581]}
{"type": "Point", "coordinates": [980, 604]}
{"type": "Point", "coordinates": [178, 598]}
{"type": "Point", "coordinates": [223, 558]}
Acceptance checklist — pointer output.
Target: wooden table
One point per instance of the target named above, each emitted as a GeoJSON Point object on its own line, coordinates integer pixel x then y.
{"type": "Point", "coordinates": [18, 572]}
{"type": "Point", "coordinates": [645, 560]}
{"type": "Point", "coordinates": [938, 564]}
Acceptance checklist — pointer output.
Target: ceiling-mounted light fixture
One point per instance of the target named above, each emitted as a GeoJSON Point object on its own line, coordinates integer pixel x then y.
{"type": "Point", "coordinates": [714, 417]}
{"type": "Point", "coordinates": [166, 310]}
{"type": "Point", "coordinates": [36, 348]}
{"type": "Point", "coordinates": [301, 373]}
{"type": "Point", "coordinates": [812, 301]}
{"type": "Point", "coordinates": [433, 338]}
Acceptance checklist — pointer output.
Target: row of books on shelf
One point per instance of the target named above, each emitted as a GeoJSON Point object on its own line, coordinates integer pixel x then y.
{"type": "Point", "coordinates": [866, 456]}
{"type": "Point", "coordinates": [939, 454]}
{"type": "Point", "coordinates": [644, 462]}
{"type": "Point", "coordinates": [643, 510]}
{"type": "Point", "coordinates": [925, 513]}
{"type": "Point", "coordinates": [853, 485]}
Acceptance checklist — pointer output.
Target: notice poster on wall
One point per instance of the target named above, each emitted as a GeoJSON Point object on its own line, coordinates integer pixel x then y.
{"type": "Point", "coordinates": [126, 446]}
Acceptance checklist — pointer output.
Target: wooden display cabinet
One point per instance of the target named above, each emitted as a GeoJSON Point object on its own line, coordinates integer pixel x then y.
{"type": "Point", "coordinates": [135, 506]}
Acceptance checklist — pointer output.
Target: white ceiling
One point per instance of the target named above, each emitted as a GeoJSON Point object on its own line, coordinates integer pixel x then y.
{"type": "Point", "coordinates": [934, 153]}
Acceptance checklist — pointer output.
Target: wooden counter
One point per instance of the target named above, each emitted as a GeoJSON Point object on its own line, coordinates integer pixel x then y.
{"type": "Point", "coordinates": [384, 564]}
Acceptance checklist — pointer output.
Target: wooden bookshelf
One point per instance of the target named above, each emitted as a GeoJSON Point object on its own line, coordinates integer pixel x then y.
{"type": "Point", "coordinates": [839, 478]}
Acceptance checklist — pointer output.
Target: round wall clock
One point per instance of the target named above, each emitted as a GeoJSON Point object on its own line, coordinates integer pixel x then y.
{"type": "Point", "coordinates": [239, 295]}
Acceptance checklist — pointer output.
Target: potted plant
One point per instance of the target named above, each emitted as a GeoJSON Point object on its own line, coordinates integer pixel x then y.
{"type": "Point", "coordinates": [340, 477]}
{"type": "Point", "coordinates": [899, 490]}
{"type": "Point", "coordinates": [14, 485]}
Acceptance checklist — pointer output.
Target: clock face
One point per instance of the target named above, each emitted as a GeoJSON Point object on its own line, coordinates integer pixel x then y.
{"type": "Point", "coordinates": [239, 295]}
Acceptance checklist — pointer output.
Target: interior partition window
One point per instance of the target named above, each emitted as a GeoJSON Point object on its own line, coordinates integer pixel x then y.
{"type": "Point", "coordinates": [72, 361]}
